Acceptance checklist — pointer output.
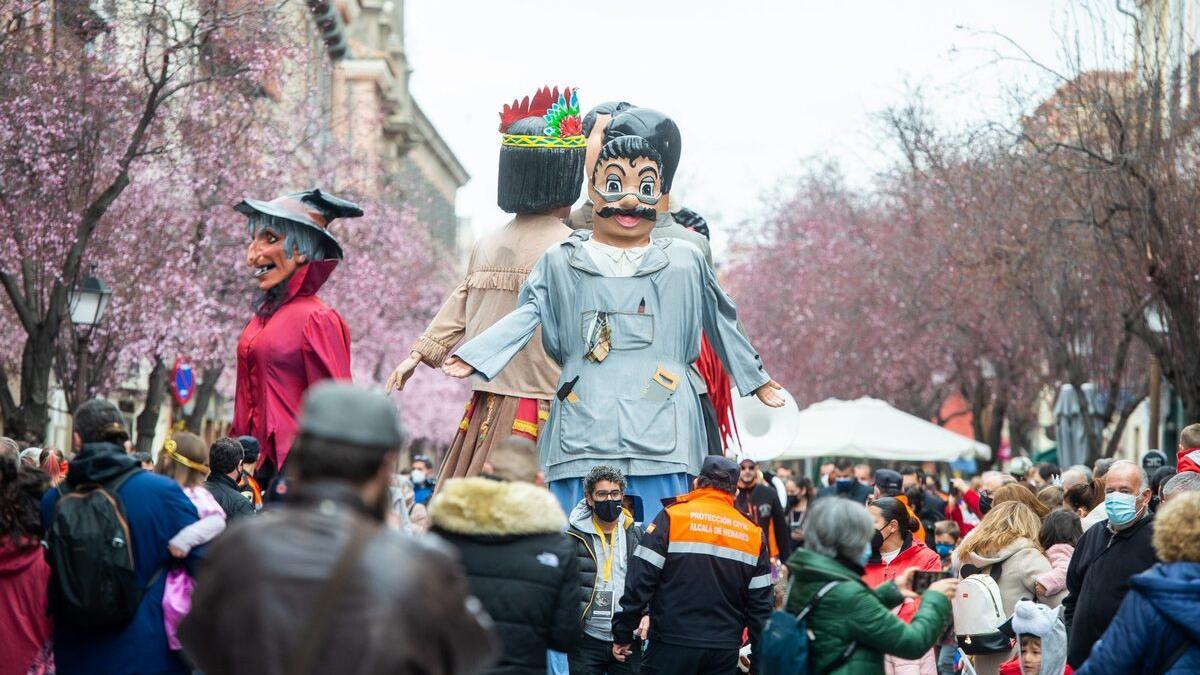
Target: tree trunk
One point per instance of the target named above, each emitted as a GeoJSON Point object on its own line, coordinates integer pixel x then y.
{"type": "Point", "coordinates": [147, 420]}
{"type": "Point", "coordinates": [204, 394]}
{"type": "Point", "coordinates": [28, 421]}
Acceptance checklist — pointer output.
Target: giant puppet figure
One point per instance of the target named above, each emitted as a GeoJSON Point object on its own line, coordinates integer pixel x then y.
{"type": "Point", "coordinates": [541, 170]}
{"type": "Point", "coordinates": [612, 119]}
{"type": "Point", "coordinates": [294, 339]}
{"type": "Point", "coordinates": [622, 314]}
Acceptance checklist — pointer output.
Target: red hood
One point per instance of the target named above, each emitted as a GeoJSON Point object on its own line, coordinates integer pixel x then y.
{"type": "Point", "coordinates": [1187, 459]}
{"type": "Point", "coordinates": [15, 559]}
{"type": "Point", "coordinates": [310, 278]}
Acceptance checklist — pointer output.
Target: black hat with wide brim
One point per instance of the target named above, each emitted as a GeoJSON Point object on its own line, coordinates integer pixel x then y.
{"type": "Point", "coordinates": [311, 208]}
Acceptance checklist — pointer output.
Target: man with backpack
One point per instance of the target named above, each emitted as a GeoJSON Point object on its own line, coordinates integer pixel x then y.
{"type": "Point", "coordinates": [106, 529]}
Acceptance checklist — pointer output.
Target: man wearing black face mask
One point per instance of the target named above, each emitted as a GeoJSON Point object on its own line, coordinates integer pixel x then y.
{"type": "Point", "coordinates": [844, 484]}
{"type": "Point", "coordinates": [606, 537]}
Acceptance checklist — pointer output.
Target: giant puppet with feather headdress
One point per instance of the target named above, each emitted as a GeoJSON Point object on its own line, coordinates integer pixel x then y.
{"type": "Point", "coordinates": [294, 339]}
{"type": "Point", "coordinates": [541, 169]}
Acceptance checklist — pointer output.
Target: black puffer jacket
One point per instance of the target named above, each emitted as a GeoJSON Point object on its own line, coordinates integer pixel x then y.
{"type": "Point", "coordinates": [519, 563]}
{"type": "Point", "coordinates": [232, 501]}
{"type": "Point", "coordinates": [583, 533]}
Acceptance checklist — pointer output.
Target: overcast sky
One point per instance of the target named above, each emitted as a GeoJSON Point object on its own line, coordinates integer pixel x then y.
{"type": "Point", "coordinates": [756, 86]}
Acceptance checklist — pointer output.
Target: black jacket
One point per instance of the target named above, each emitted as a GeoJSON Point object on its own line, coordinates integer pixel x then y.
{"type": "Point", "coordinates": [858, 492]}
{"type": "Point", "coordinates": [232, 501]}
{"type": "Point", "coordinates": [585, 550]}
{"type": "Point", "coordinates": [519, 563]}
{"type": "Point", "coordinates": [761, 504]}
{"type": "Point", "coordinates": [1098, 578]}
{"type": "Point", "coordinates": [403, 609]}
{"type": "Point", "coordinates": [704, 571]}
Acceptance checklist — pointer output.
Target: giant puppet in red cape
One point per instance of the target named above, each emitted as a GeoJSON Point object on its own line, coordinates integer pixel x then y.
{"type": "Point", "coordinates": [294, 339]}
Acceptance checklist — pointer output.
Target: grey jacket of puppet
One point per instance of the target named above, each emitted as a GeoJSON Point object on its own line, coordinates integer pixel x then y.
{"type": "Point", "coordinates": [615, 413]}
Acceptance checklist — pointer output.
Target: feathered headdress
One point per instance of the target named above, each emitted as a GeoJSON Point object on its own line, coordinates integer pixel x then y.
{"type": "Point", "coordinates": [564, 126]}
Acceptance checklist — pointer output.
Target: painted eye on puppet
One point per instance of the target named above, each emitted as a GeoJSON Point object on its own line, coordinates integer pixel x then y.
{"type": "Point", "coordinates": [612, 183]}
{"type": "Point", "coordinates": [647, 187]}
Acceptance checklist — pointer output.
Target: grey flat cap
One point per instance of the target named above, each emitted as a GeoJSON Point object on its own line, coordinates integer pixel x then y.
{"type": "Point", "coordinates": [340, 411]}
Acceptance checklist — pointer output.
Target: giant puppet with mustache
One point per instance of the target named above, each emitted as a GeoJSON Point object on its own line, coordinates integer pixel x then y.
{"type": "Point", "coordinates": [294, 339]}
{"type": "Point", "coordinates": [622, 313]}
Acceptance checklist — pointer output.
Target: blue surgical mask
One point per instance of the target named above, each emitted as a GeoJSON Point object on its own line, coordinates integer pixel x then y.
{"type": "Point", "coordinates": [865, 555]}
{"type": "Point", "coordinates": [944, 550]}
{"type": "Point", "coordinates": [844, 484]}
{"type": "Point", "coordinates": [1120, 507]}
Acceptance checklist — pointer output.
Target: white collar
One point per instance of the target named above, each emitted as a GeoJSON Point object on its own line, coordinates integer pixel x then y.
{"type": "Point", "coordinates": [616, 253]}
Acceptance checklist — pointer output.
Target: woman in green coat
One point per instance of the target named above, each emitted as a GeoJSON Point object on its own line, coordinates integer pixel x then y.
{"type": "Point", "coordinates": [853, 625]}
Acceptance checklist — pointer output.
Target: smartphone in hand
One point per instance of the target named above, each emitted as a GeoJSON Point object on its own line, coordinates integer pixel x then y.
{"type": "Point", "coordinates": [923, 579]}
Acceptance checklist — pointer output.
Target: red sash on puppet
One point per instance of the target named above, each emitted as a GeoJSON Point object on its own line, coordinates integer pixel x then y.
{"type": "Point", "coordinates": [717, 381]}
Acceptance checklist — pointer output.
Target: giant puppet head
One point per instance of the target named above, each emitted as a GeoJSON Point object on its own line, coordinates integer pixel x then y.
{"type": "Point", "coordinates": [541, 152]}
{"type": "Point", "coordinates": [288, 232]}
{"type": "Point", "coordinates": [625, 190]}
{"type": "Point", "coordinates": [631, 177]}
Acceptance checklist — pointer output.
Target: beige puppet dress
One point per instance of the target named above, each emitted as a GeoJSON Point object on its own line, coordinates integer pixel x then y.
{"type": "Point", "coordinates": [517, 402]}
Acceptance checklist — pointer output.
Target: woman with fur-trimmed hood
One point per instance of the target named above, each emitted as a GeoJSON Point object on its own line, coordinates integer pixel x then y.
{"type": "Point", "coordinates": [1157, 628]}
{"type": "Point", "coordinates": [525, 571]}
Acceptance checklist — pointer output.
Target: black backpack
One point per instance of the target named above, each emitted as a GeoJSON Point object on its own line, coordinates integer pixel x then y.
{"type": "Point", "coordinates": [93, 582]}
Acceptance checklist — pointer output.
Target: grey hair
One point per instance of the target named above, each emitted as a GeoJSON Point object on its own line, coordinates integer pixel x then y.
{"type": "Point", "coordinates": [1186, 481]}
{"type": "Point", "coordinates": [1087, 471]}
{"type": "Point", "coordinates": [10, 450]}
{"type": "Point", "coordinates": [1145, 480]}
{"type": "Point", "coordinates": [837, 527]}
{"type": "Point", "coordinates": [297, 238]}
{"type": "Point", "coordinates": [1103, 466]}
{"type": "Point", "coordinates": [1068, 478]}
{"type": "Point", "coordinates": [1005, 478]}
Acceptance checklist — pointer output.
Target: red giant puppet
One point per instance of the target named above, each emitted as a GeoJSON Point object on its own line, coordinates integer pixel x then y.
{"type": "Point", "coordinates": [294, 339]}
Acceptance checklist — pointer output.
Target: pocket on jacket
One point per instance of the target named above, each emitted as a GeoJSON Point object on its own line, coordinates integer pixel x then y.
{"type": "Point", "coordinates": [647, 427]}
{"type": "Point", "coordinates": [628, 330]}
{"type": "Point", "coordinates": [582, 431]}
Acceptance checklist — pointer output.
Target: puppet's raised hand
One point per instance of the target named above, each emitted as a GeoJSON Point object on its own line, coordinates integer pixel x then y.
{"type": "Point", "coordinates": [456, 367]}
{"type": "Point", "coordinates": [405, 370]}
{"type": "Point", "coordinates": [767, 395]}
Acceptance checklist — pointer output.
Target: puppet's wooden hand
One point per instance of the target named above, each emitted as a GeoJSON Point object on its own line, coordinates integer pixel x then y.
{"type": "Point", "coordinates": [405, 370]}
{"type": "Point", "coordinates": [456, 367]}
{"type": "Point", "coordinates": [767, 395]}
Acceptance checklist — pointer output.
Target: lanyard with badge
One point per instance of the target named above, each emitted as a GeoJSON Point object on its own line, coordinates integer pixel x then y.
{"type": "Point", "coordinates": [602, 606]}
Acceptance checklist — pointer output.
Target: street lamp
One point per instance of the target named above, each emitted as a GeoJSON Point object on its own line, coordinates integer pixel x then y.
{"type": "Point", "coordinates": [88, 302]}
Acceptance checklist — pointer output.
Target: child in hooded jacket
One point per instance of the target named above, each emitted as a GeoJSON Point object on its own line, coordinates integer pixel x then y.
{"type": "Point", "coordinates": [184, 459]}
{"type": "Point", "coordinates": [1060, 531]}
{"type": "Point", "coordinates": [1043, 638]}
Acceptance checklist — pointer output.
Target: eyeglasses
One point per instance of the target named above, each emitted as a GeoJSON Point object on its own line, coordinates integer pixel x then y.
{"type": "Point", "coordinates": [611, 494]}
{"type": "Point", "coordinates": [610, 197]}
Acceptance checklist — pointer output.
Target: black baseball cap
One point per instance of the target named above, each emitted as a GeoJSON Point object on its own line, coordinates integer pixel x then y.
{"type": "Point", "coordinates": [720, 468]}
{"type": "Point", "coordinates": [888, 481]}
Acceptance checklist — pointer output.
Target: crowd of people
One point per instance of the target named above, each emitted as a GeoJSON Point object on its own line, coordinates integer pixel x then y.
{"type": "Point", "coordinates": [117, 563]}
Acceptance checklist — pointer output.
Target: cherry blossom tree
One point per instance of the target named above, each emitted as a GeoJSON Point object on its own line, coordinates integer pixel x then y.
{"type": "Point", "coordinates": [90, 106]}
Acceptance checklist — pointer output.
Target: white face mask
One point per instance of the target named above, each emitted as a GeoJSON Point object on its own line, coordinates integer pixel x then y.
{"type": "Point", "coordinates": [418, 476]}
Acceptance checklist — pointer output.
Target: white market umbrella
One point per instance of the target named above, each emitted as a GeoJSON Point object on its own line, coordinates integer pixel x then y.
{"type": "Point", "coordinates": [872, 429]}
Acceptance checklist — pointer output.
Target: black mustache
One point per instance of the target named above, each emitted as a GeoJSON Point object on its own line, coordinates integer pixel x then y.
{"type": "Point", "coordinates": [639, 211]}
